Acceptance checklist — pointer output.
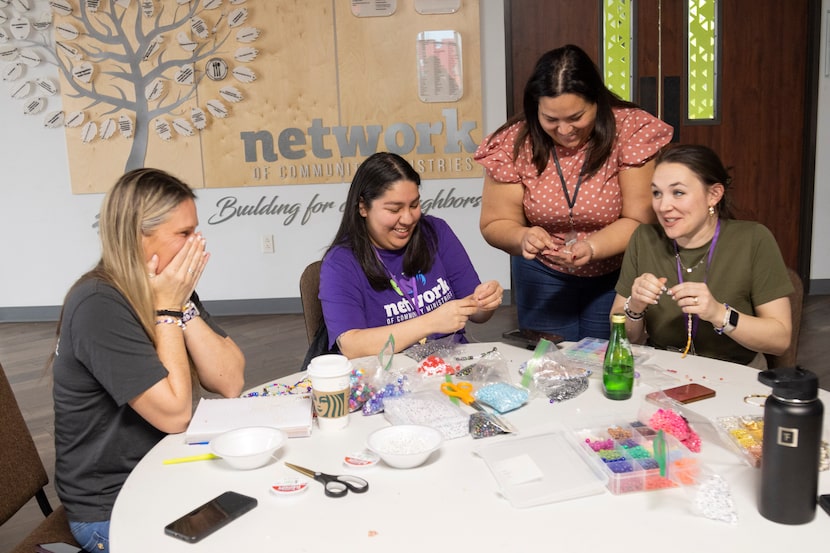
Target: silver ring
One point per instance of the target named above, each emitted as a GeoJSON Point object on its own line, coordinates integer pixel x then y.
{"type": "Point", "coordinates": [190, 272]}
{"type": "Point", "coordinates": [695, 300]}
{"type": "Point", "coordinates": [150, 275]}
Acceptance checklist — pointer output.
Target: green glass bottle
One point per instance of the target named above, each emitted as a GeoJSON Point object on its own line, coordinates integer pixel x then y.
{"type": "Point", "coordinates": [618, 367]}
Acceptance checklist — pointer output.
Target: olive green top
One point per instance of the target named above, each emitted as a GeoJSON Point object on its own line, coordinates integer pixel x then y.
{"type": "Point", "coordinates": [747, 270]}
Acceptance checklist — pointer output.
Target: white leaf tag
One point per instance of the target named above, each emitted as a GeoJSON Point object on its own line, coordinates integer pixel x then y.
{"type": "Point", "coordinates": [83, 72]}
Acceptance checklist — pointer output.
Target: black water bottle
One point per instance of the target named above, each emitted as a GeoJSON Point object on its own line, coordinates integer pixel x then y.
{"type": "Point", "coordinates": [792, 446]}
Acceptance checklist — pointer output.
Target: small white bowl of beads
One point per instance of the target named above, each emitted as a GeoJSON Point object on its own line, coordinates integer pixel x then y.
{"type": "Point", "coordinates": [404, 446]}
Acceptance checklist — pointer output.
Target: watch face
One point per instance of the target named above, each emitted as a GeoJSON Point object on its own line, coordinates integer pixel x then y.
{"type": "Point", "coordinates": [733, 318]}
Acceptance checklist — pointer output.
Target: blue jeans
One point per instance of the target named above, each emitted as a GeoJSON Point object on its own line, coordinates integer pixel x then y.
{"type": "Point", "coordinates": [93, 536]}
{"type": "Point", "coordinates": [573, 307]}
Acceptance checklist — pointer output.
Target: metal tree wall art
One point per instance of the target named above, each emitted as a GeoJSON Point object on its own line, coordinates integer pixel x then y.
{"type": "Point", "coordinates": [195, 87]}
{"type": "Point", "coordinates": [129, 69]}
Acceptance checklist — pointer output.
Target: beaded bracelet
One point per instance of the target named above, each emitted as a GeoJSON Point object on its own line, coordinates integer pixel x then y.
{"type": "Point", "coordinates": [279, 389]}
{"type": "Point", "coordinates": [722, 328]}
{"type": "Point", "coordinates": [172, 320]}
{"type": "Point", "coordinates": [631, 314]}
{"type": "Point", "coordinates": [189, 311]}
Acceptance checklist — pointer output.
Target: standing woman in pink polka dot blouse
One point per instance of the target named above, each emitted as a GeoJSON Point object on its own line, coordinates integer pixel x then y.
{"type": "Point", "coordinates": [567, 182]}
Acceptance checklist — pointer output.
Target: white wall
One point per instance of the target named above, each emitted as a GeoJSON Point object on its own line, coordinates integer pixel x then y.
{"type": "Point", "coordinates": [820, 267]}
{"type": "Point", "coordinates": [47, 237]}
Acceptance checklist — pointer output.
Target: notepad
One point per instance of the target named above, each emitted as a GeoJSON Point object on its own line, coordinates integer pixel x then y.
{"type": "Point", "coordinates": [290, 413]}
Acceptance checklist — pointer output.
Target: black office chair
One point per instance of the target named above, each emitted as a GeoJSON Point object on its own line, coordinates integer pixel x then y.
{"type": "Point", "coordinates": [22, 476]}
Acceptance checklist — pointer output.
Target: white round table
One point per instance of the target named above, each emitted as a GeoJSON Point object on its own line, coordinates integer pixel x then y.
{"type": "Point", "coordinates": [452, 503]}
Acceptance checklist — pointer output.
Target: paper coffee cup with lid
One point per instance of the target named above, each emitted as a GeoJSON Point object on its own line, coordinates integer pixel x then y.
{"type": "Point", "coordinates": [330, 377]}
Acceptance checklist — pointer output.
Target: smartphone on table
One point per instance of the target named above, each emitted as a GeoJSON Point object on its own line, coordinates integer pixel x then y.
{"type": "Point", "coordinates": [530, 338]}
{"type": "Point", "coordinates": [687, 393]}
{"type": "Point", "coordinates": [213, 515]}
{"type": "Point", "coordinates": [56, 547]}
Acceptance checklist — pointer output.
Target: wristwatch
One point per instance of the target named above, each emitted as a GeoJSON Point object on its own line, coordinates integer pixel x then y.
{"type": "Point", "coordinates": [730, 320]}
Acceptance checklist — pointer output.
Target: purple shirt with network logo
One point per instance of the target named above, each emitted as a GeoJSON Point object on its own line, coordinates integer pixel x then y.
{"type": "Point", "coordinates": [350, 302]}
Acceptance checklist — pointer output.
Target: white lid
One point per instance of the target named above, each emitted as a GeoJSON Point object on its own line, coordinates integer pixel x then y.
{"type": "Point", "coordinates": [540, 469]}
{"type": "Point", "coordinates": [329, 365]}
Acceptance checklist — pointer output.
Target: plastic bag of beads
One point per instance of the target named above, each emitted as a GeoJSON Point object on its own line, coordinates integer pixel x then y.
{"type": "Point", "coordinates": [379, 393]}
{"type": "Point", "coordinates": [711, 497]}
{"type": "Point", "coordinates": [483, 426]}
{"type": "Point", "coordinates": [434, 365]}
{"type": "Point", "coordinates": [442, 347]}
{"type": "Point", "coordinates": [663, 413]}
{"type": "Point", "coordinates": [430, 373]}
{"type": "Point", "coordinates": [360, 389]}
{"type": "Point", "coordinates": [375, 378]}
{"type": "Point", "coordinates": [430, 408]}
{"type": "Point", "coordinates": [549, 374]}
{"type": "Point", "coordinates": [482, 369]}
{"type": "Point", "coordinates": [502, 396]}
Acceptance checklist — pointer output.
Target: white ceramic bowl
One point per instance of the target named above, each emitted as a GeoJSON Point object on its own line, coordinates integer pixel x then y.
{"type": "Point", "coordinates": [248, 448]}
{"type": "Point", "coordinates": [404, 446]}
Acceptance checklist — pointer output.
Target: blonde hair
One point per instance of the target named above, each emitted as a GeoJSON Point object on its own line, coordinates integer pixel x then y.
{"type": "Point", "coordinates": [140, 201]}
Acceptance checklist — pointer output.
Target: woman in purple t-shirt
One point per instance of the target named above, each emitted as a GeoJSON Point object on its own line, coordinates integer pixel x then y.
{"type": "Point", "coordinates": [391, 270]}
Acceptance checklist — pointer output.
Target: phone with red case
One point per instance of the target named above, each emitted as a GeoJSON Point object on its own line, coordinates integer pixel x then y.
{"type": "Point", "coordinates": [686, 393]}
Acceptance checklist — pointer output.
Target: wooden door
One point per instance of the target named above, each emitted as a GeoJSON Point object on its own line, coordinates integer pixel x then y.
{"type": "Point", "coordinates": [767, 93]}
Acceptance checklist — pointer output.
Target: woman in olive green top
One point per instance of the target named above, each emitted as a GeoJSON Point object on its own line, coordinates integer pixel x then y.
{"type": "Point", "coordinates": [701, 282]}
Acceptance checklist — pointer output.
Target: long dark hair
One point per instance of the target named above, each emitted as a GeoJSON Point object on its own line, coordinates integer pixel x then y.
{"type": "Point", "coordinates": [567, 70]}
{"type": "Point", "coordinates": [371, 180]}
{"type": "Point", "coordinates": [705, 163]}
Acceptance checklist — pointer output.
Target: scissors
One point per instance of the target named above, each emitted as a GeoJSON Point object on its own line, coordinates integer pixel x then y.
{"type": "Point", "coordinates": [464, 392]}
{"type": "Point", "coordinates": [334, 485]}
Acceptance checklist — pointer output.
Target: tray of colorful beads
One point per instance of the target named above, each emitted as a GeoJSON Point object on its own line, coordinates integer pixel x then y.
{"type": "Point", "coordinates": [625, 453]}
{"type": "Point", "coordinates": [745, 434]}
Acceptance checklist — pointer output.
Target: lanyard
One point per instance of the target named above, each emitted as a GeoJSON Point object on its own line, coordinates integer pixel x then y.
{"type": "Point", "coordinates": [712, 244]}
{"type": "Point", "coordinates": [406, 288]}
{"type": "Point", "coordinates": [571, 201]}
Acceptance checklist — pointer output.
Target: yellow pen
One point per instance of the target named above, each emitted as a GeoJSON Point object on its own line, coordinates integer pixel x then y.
{"type": "Point", "coordinates": [204, 457]}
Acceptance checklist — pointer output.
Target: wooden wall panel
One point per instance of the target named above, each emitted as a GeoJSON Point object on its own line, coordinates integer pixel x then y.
{"type": "Point", "coordinates": [318, 66]}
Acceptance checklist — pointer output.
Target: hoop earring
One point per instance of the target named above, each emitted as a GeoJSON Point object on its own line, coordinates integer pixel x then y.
{"type": "Point", "coordinates": [711, 211]}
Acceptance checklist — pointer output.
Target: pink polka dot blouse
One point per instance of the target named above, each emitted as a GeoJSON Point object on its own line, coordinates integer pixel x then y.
{"type": "Point", "coordinates": [599, 202]}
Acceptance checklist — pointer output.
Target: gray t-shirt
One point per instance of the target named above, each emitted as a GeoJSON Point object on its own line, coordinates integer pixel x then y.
{"type": "Point", "coordinates": [104, 359]}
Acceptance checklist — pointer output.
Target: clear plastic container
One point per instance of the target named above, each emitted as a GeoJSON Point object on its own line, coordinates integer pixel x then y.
{"type": "Point", "coordinates": [745, 433]}
{"type": "Point", "coordinates": [625, 454]}
{"type": "Point", "coordinates": [540, 469]}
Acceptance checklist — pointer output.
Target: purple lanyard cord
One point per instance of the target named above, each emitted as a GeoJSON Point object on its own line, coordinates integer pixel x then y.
{"type": "Point", "coordinates": [695, 318]}
{"type": "Point", "coordinates": [403, 286]}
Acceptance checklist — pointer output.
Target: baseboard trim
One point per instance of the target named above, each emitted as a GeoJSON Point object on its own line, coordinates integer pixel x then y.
{"type": "Point", "coordinates": [265, 306]}
{"type": "Point", "coordinates": [820, 287]}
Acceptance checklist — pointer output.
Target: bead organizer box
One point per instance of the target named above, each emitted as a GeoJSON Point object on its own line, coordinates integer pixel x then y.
{"type": "Point", "coordinates": [625, 454]}
{"type": "Point", "coordinates": [590, 352]}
